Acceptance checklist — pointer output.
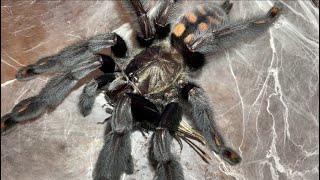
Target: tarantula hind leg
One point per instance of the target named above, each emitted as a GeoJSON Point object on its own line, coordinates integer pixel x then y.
{"type": "Point", "coordinates": [115, 157]}
{"type": "Point", "coordinates": [203, 120]}
{"type": "Point", "coordinates": [226, 35]}
{"type": "Point", "coordinates": [77, 55]}
{"type": "Point", "coordinates": [167, 164]}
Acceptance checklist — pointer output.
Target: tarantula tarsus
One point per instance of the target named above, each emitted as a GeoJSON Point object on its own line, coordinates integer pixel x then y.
{"type": "Point", "coordinates": [150, 90]}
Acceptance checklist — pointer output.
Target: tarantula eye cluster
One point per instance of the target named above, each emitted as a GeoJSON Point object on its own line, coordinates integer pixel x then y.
{"type": "Point", "coordinates": [152, 91]}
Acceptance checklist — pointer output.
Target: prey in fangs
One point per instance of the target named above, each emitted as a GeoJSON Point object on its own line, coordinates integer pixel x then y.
{"type": "Point", "coordinates": [149, 90]}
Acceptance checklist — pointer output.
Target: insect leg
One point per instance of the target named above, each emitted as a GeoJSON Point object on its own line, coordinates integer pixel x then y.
{"type": "Point", "coordinates": [203, 120]}
{"type": "Point", "coordinates": [115, 157]}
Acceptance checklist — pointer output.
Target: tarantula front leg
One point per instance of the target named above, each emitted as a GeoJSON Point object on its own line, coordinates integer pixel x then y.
{"type": "Point", "coordinates": [226, 6]}
{"type": "Point", "coordinates": [76, 62]}
{"type": "Point", "coordinates": [51, 95]}
{"type": "Point", "coordinates": [146, 33]}
{"type": "Point", "coordinates": [115, 157]}
{"type": "Point", "coordinates": [76, 55]}
{"type": "Point", "coordinates": [161, 21]}
{"type": "Point", "coordinates": [167, 165]}
{"type": "Point", "coordinates": [203, 119]}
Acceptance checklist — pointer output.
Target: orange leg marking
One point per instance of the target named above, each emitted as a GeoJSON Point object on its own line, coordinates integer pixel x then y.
{"type": "Point", "coordinates": [24, 72]}
{"type": "Point", "coordinates": [232, 156]}
{"type": "Point", "coordinates": [3, 125]}
{"type": "Point", "coordinates": [274, 11]}
{"type": "Point", "coordinates": [24, 107]}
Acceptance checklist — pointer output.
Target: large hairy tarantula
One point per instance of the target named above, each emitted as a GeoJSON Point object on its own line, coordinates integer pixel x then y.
{"type": "Point", "coordinates": [149, 91]}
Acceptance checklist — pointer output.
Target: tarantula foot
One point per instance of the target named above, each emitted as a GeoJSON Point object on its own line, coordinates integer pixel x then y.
{"type": "Point", "coordinates": [230, 156]}
{"type": "Point", "coordinates": [7, 124]}
{"type": "Point", "coordinates": [26, 73]}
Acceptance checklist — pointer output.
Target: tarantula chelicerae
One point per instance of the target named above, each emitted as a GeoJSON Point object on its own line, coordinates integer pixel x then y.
{"type": "Point", "coordinates": [150, 90]}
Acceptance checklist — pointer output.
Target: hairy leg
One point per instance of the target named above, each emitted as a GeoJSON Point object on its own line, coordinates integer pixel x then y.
{"type": "Point", "coordinates": [52, 94]}
{"type": "Point", "coordinates": [161, 21]}
{"type": "Point", "coordinates": [76, 55]}
{"type": "Point", "coordinates": [115, 157]}
{"type": "Point", "coordinates": [203, 120]}
{"type": "Point", "coordinates": [167, 165]}
{"type": "Point", "coordinates": [145, 27]}
{"type": "Point", "coordinates": [229, 33]}
{"type": "Point", "coordinates": [226, 6]}
{"type": "Point", "coordinates": [90, 91]}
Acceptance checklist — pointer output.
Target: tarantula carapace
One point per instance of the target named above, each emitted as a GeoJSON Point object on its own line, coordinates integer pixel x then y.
{"type": "Point", "coordinates": [149, 90]}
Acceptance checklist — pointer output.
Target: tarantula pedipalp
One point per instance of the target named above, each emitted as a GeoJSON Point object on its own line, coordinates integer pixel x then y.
{"type": "Point", "coordinates": [149, 90]}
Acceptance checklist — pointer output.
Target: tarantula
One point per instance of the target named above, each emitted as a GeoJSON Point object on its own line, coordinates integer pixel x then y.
{"type": "Point", "coordinates": [150, 90]}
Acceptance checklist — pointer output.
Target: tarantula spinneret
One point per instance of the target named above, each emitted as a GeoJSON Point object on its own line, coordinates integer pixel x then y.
{"type": "Point", "coordinates": [150, 90]}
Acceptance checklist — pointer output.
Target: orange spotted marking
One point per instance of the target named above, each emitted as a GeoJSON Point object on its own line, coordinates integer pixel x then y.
{"type": "Point", "coordinates": [179, 29]}
{"type": "Point", "coordinates": [3, 125]}
{"type": "Point", "coordinates": [24, 107]}
{"type": "Point", "coordinates": [192, 17]}
{"type": "Point", "coordinates": [203, 26]}
{"type": "Point", "coordinates": [188, 38]}
{"type": "Point", "coordinates": [202, 10]}
{"type": "Point", "coordinates": [213, 20]}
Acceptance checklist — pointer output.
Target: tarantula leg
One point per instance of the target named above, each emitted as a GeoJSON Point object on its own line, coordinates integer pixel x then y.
{"type": "Point", "coordinates": [146, 36]}
{"type": "Point", "coordinates": [98, 44]}
{"type": "Point", "coordinates": [7, 124]}
{"type": "Point", "coordinates": [232, 32]}
{"type": "Point", "coordinates": [161, 21]}
{"type": "Point", "coordinates": [167, 165]}
{"type": "Point", "coordinates": [115, 157]}
{"type": "Point", "coordinates": [203, 119]}
{"type": "Point", "coordinates": [76, 55]}
{"type": "Point", "coordinates": [52, 94]}
{"type": "Point", "coordinates": [226, 6]}
{"type": "Point", "coordinates": [90, 91]}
